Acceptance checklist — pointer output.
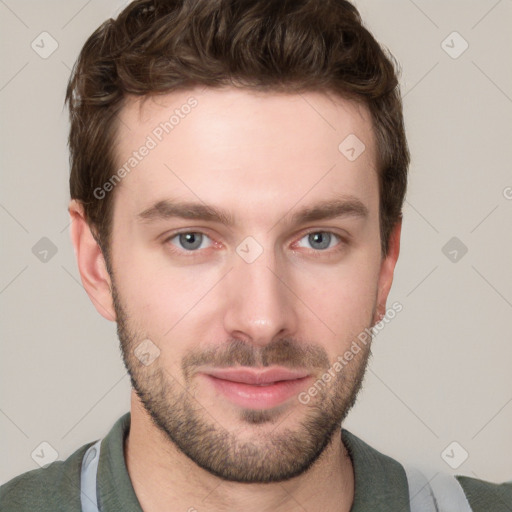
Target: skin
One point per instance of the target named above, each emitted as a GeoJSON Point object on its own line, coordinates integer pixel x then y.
{"type": "Point", "coordinates": [281, 150]}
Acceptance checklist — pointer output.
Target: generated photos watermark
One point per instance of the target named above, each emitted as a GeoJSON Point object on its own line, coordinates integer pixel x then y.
{"type": "Point", "coordinates": [342, 360]}
{"type": "Point", "coordinates": [152, 140]}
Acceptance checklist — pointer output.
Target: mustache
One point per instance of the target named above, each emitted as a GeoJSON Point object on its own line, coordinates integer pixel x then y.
{"type": "Point", "coordinates": [282, 352]}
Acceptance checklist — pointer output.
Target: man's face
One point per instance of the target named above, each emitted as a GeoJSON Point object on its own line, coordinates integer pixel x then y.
{"type": "Point", "coordinates": [268, 291]}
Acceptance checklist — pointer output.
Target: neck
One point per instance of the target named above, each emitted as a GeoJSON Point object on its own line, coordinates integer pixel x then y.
{"type": "Point", "coordinates": [162, 475]}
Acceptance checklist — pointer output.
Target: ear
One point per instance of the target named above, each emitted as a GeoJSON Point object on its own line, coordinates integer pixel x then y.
{"type": "Point", "coordinates": [91, 263]}
{"type": "Point", "coordinates": [387, 269]}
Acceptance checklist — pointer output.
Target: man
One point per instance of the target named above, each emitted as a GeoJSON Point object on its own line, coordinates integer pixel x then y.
{"type": "Point", "coordinates": [237, 176]}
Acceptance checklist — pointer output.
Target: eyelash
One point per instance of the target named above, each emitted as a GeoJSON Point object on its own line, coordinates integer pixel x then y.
{"type": "Point", "coordinates": [315, 253]}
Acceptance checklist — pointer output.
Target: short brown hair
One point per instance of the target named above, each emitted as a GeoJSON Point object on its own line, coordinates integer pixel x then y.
{"type": "Point", "coordinates": [160, 46]}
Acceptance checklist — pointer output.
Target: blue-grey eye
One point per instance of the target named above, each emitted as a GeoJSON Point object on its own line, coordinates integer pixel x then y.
{"type": "Point", "coordinates": [320, 240]}
{"type": "Point", "coordinates": [190, 240]}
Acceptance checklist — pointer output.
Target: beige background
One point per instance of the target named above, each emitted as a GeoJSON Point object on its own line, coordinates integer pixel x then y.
{"type": "Point", "coordinates": [441, 370]}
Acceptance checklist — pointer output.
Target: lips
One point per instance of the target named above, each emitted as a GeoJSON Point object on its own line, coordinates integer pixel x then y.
{"type": "Point", "coordinates": [257, 377]}
{"type": "Point", "coordinates": [257, 389]}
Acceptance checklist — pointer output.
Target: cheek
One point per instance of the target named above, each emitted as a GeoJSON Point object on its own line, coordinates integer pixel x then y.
{"type": "Point", "coordinates": [343, 296]}
{"type": "Point", "coordinates": [160, 302]}
{"type": "Point", "coordinates": [165, 302]}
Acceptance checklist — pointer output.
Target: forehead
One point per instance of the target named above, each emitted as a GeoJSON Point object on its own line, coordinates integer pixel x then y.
{"type": "Point", "coordinates": [240, 148]}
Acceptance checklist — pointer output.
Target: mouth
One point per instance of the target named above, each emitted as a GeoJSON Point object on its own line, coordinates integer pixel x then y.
{"type": "Point", "coordinates": [257, 389]}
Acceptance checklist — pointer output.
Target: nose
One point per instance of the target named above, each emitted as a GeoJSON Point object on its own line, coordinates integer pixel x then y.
{"type": "Point", "coordinates": [261, 305]}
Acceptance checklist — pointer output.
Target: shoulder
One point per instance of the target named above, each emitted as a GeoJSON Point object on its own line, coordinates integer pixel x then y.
{"type": "Point", "coordinates": [484, 496]}
{"type": "Point", "coordinates": [387, 479]}
{"type": "Point", "coordinates": [55, 487]}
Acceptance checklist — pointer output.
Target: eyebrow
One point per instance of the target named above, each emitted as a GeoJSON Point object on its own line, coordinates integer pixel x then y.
{"type": "Point", "coordinates": [348, 206]}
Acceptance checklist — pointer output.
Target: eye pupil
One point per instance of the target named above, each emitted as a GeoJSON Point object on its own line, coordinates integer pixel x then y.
{"type": "Point", "coordinates": [322, 238]}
